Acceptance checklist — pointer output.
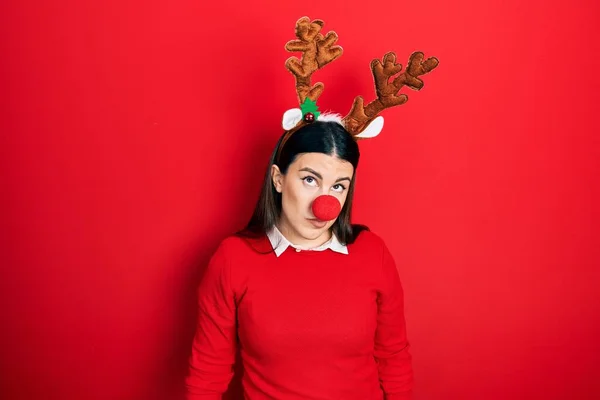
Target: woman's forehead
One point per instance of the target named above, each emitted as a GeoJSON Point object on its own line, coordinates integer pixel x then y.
{"type": "Point", "coordinates": [323, 163]}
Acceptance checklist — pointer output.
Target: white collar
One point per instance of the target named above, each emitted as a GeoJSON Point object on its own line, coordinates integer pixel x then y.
{"type": "Point", "coordinates": [280, 243]}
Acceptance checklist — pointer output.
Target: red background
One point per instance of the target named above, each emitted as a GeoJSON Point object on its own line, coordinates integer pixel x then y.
{"type": "Point", "coordinates": [134, 135]}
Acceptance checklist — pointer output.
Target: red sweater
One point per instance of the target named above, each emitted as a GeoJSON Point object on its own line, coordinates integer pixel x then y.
{"type": "Point", "coordinates": [312, 325]}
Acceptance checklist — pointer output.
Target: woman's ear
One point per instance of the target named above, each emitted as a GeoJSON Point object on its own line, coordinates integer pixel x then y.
{"type": "Point", "coordinates": [277, 178]}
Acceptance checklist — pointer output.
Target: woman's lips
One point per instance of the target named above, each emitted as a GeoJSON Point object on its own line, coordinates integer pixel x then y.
{"type": "Point", "coordinates": [318, 223]}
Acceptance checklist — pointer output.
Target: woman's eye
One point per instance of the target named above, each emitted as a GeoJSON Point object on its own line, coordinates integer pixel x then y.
{"type": "Point", "coordinates": [339, 188]}
{"type": "Point", "coordinates": [310, 180]}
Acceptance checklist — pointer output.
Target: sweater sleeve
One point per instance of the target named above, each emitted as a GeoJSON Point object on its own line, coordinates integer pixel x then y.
{"type": "Point", "coordinates": [213, 349]}
{"type": "Point", "coordinates": [394, 361]}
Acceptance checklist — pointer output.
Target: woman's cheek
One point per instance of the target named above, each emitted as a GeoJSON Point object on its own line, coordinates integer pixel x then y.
{"type": "Point", "coordinates": [300, 193]}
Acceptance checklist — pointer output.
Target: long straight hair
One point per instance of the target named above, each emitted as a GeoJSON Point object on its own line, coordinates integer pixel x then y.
{"type": "Point", "coordinates": [329, 138]}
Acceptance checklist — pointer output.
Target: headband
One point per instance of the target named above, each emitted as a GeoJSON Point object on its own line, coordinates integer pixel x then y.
{"type": "Point", "coordinates": [363, 121]}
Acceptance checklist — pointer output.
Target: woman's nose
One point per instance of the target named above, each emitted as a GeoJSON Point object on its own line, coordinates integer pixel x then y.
{"type": "Point", "coordinates": [326, 207]}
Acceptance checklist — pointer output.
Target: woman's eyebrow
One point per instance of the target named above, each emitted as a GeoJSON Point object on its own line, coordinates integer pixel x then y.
{"type": "Point", "coordinates": [312, 171]}
{"type": "Point", "coordinates": [318, 175]}
{"type": "Point", "coordinates": [345, 178]}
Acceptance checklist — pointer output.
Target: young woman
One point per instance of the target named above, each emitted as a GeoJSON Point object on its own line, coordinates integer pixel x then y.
{"type": "Point", "coordinates": [314, 307]}
{"type": "Point", "coordinates": [313, 303]}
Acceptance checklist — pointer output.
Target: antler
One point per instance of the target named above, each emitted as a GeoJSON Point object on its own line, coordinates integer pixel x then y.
{"type": "Point", "coordinates": [387, 92]}
{"type": "Point", "coordinates": [318, 51]}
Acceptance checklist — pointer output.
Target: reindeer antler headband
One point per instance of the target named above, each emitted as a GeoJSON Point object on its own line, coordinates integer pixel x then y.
{"type": "Point", "coordinates": [318, 51]}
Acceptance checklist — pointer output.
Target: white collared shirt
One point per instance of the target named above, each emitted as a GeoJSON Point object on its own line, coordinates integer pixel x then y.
{"type": "Point", "coordinates": [280, 243]}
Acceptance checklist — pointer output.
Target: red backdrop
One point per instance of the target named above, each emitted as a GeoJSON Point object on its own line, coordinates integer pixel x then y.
{"type": "Point", "coordinates": [134, 135]}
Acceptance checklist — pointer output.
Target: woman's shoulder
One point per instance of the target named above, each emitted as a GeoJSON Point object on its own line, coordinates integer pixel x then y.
{"type": "Point", "coordinates": [368, 240]}
{"type": "Point", "coordinates": [241, 245]}
{"type": "Point", "coordinates": [368, 236]}
{"type": "Point", "coordinates": [230, 243]}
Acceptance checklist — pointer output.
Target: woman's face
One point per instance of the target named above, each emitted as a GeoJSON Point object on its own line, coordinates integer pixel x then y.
{"type": "Point", "coordinates": [308, 177]}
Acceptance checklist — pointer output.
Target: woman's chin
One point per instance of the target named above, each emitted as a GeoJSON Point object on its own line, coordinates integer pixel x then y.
{"type": "Point", "coordinates": [313, 232]}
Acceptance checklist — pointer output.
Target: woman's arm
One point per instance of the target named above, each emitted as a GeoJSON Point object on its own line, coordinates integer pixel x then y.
{"type": "Point", "coordinates": [213, 351]}
{"type": "Point", "coordinates": [391, 345]}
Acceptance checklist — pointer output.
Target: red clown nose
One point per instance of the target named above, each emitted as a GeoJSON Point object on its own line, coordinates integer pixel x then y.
{"type": "Point", "coordinates": [326, 207]}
